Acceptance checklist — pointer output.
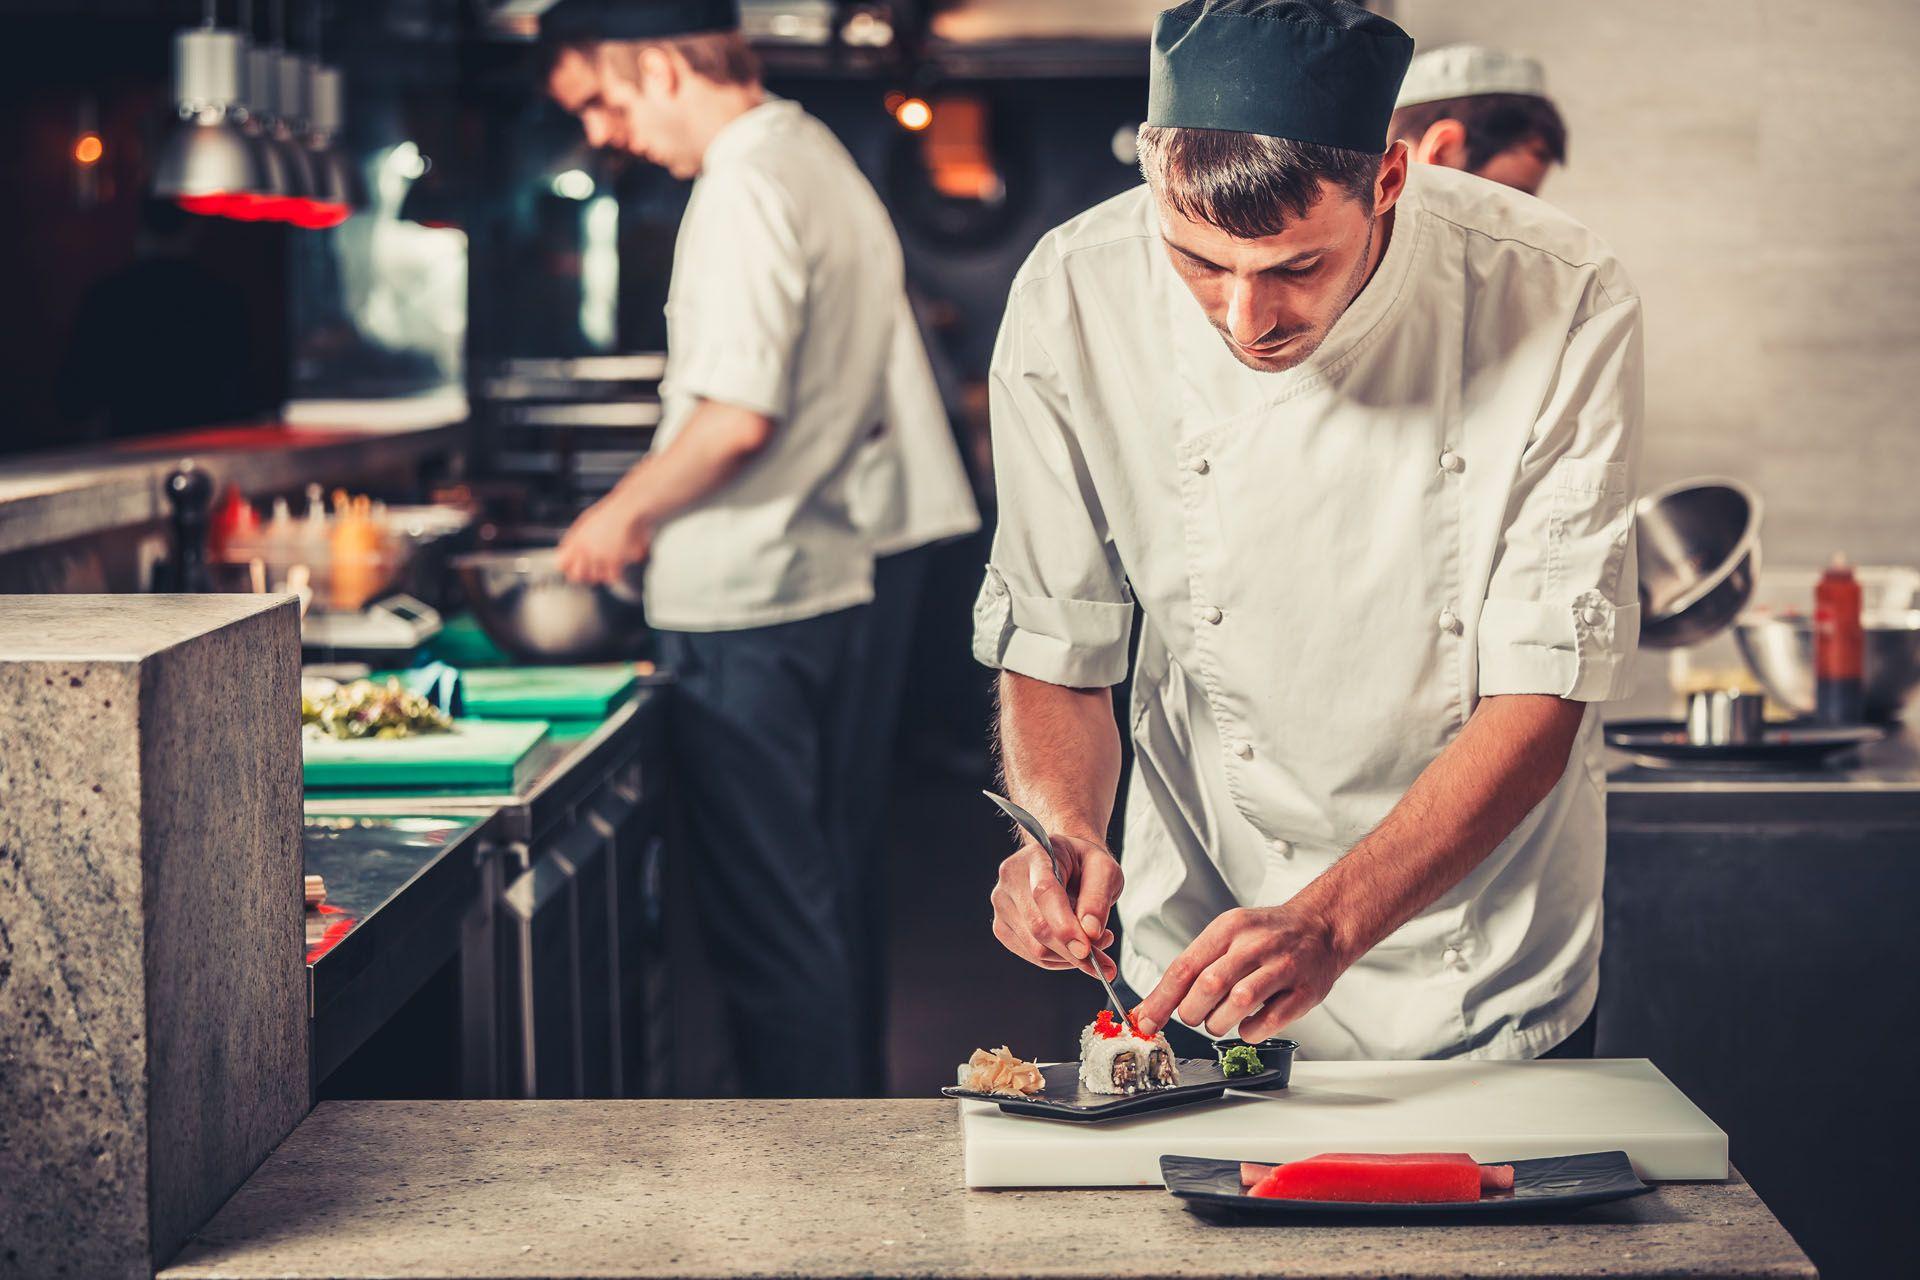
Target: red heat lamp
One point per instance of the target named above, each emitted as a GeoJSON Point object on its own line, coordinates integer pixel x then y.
{"type": "Point", "coordinates": [206, 161]}
{"type": "Point", "coordinates": [247, 118]}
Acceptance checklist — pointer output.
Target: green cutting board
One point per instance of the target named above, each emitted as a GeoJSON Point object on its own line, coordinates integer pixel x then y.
{"type": "Point", "coordinates": [461, 643]}
{"type": "Point", "coordinates": [477, 753]}
{"type": "Point", "coordinates": [546, 693]}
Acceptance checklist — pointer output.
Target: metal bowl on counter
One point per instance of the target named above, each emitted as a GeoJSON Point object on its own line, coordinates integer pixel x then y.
{"type": "Point", "coordinates": [1778, 648]}
{"type": "Point", "coordinates": [1699, 554]}
{"type": "Point", "coordinates": [527, 607]}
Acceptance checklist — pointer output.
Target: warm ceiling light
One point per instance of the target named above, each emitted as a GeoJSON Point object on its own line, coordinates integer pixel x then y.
{"type": "Point", "coordinates": [205, 158]}
{"type": "Point", "coordinates": [913, 113]}
{"type": "Point", "coordinates": [88, 149]}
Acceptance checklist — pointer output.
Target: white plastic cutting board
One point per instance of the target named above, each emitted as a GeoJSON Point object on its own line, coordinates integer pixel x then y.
{"type": "Point", "coordinates": [1494, 1111]}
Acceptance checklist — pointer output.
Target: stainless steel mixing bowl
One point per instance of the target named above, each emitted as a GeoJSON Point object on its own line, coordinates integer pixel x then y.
{"type": "Point", "coordinates": [527, 607]}
{"type": "Point", "coordinates": [1779, 649]}
{"type": "Point", "coordinates": [1699, 553]}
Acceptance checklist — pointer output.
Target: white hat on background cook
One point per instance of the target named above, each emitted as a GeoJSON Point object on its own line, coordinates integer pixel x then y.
{"type": "Point", "coordinates": [1467, 70]}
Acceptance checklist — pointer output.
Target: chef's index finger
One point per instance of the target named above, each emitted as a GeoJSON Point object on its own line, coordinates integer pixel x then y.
{"type": "Point", "coordinates": [1153, 1012]}
{"type": "Point", "coordinates": [1055, 927]}
{"type": "Point", "coordinates": [1096, 888]}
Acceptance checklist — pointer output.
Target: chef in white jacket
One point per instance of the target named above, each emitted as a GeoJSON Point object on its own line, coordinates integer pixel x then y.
{"type": "Point", "coordinates": [1359, 441]}
{"type": "Point", "coordinates": [795, 446]}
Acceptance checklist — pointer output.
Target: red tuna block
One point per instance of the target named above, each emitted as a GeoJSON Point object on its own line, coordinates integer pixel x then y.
{"type": "Point", "coordinates": [1418, 1178]}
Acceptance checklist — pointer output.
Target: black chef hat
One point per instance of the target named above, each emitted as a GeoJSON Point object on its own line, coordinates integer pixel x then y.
{"type": "Point", "coordinates": [1322, 71]}
{"type": "Point", "coordinates": [637, 19]}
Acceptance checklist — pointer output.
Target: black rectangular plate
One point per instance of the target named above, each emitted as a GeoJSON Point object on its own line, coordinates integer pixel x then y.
{"type": "Point", "coordinates": [1212, 1188]}
{"type": "Point", "coordinates": [1064, 1099]}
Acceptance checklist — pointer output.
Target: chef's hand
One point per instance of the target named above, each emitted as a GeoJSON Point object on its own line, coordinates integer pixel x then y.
{"type": "Point", "coordinates": [1036, 919]}
{"type": "Point", "coordinates": [1257, 967]}
{"type": "Point", "coordinates": [609, 536]}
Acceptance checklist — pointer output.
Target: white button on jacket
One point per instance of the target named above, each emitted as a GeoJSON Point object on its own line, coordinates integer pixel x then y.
{"type": "Point", "coordinates": [1496, 329]}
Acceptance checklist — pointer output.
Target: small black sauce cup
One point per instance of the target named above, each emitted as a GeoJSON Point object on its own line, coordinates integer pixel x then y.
{"type": "Point", "coordinates": [1276, 1057]}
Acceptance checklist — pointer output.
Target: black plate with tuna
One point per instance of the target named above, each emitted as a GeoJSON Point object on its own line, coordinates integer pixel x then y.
{"type": "Point", "coordinates": [1211, 1188]}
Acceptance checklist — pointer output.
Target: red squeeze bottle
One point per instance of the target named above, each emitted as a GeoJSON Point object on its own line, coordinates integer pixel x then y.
{"type": "Point", "coordinates": [1838, 645]}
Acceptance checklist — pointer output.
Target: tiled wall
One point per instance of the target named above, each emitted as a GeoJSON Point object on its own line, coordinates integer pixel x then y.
{"type": "Point", "coordinates": [1756, 164]}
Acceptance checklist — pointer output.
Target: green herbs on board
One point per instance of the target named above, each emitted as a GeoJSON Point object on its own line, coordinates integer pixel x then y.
{"type": "Point", "coordinates": [364, 709]}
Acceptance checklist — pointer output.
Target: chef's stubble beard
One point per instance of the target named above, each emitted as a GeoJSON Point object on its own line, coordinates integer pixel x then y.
{"type": "Point", "coordinates": [1357, 281]}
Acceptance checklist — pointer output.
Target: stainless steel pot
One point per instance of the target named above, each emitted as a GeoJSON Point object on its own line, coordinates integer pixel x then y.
{"type": "Point", "coordinates": [1699, 554]}
{"type": "Point", "coordinates": [527, 607]}
{"type": "Point", "coordinates": [1779, 649]}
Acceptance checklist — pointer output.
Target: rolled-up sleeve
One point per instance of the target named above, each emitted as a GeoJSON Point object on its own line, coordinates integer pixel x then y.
{"type": "Point", "coordinates": [1055, 604]}
{"type": "Point", "coordinates": [1562, 614]}
{"type": "Point", "coordinates": [742, 246]}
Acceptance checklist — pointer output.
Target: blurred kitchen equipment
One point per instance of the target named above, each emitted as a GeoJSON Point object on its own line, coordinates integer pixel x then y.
{"type": "Point", "coordinates": [1837, 645]}
{"type": "Point", "coordinates": [363, 551]}
{"type": "Point", "coordinates": [1664, 744]}
{"type": "Point", "coordinates": [527, 607]}
{"type": "Point", "coordinates": [1778, 646]}
{"type": "Point", "coordinates": [189, 493]}
{"type": "Point", "coordinates": [1721, 717]}
{"type": "Point", "coordinates": [1699, 552]}
{"type": "Point", "coordinates": [558, 433]}
{"type": "Point", "coordinates": [385, 633]}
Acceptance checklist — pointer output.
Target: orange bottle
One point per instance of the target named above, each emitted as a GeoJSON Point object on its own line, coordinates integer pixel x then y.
{"type": "Point", "coordinates": [1839, 646]}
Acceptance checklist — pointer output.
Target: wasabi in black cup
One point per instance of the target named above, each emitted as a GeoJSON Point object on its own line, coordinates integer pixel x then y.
{"type": "Point", "coordinates": [1238, 1059]}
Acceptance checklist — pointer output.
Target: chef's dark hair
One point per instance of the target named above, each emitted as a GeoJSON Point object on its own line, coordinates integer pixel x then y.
{"type": "Point", "coordinates": [723, 57]}
{"type": "Point", "coordinates": [1248, 184]}
{"type": "Point", "coordinates": [1494, 123]}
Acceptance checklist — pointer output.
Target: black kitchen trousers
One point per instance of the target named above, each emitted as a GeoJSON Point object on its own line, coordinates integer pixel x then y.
{"type": "Point", "coordinates": [767, 739]}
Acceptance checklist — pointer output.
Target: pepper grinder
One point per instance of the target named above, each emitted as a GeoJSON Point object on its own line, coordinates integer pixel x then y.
{"type": "Point", "coordinates": [190, 491]}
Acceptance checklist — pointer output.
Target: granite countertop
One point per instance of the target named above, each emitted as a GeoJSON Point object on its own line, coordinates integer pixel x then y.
{"type": "Point", "coordinates": [840, 1188]}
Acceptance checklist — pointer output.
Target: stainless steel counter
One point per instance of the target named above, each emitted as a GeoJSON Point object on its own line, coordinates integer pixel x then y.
{"type": "Point", "coordinates": [400, 891]}
{"type": "Point", "coordinates": [1878, 784]}
{"type": "Point", "coordinates": [563, 980]}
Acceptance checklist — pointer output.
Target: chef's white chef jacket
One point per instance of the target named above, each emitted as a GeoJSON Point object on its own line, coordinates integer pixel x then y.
{"type": "Point", "coordinates": [910, 488]}
{"type": "Point", "coordinates": [786, 280]}
{"type": "Point", "coordinates": [1334, 564]}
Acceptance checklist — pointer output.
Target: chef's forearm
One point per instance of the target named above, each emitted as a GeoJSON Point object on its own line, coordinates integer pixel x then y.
{"type": "Point", "coordinates": [1060, 754]}
{"type": "Point", "coordinates": [1507, 758]}
{"type": "Point", "coordinates": [715, 442]}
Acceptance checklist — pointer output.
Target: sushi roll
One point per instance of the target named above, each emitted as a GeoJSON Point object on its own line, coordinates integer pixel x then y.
{"type": "Point", "coordinates": [1119, 1059]}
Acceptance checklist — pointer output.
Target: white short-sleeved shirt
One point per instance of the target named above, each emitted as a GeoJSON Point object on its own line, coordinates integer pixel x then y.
{"type": "Point", "coordinates": [786, 280]}
{"type": "Point", "coordinates": [910, 487]}
{"type": "Point", "coordinates": [1334, 564]}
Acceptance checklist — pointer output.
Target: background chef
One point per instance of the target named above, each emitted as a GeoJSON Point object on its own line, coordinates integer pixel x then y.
{"type": "Point", "coordinates": [1359, 440]}
{"type": "Point", "coordinates": [802, 436]}
{"type": "Point", "coordinates": [1485, 110]}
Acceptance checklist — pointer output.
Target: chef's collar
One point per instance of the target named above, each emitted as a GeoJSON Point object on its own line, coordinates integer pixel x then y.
{"type": "Point", "coordinates": [1319, 71]}
{"type": "Point", "coordinates": [740, 132]}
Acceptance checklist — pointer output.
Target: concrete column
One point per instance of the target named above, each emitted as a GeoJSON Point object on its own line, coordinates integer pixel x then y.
{"type": "Point", "coordinates": [153, 1008]}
